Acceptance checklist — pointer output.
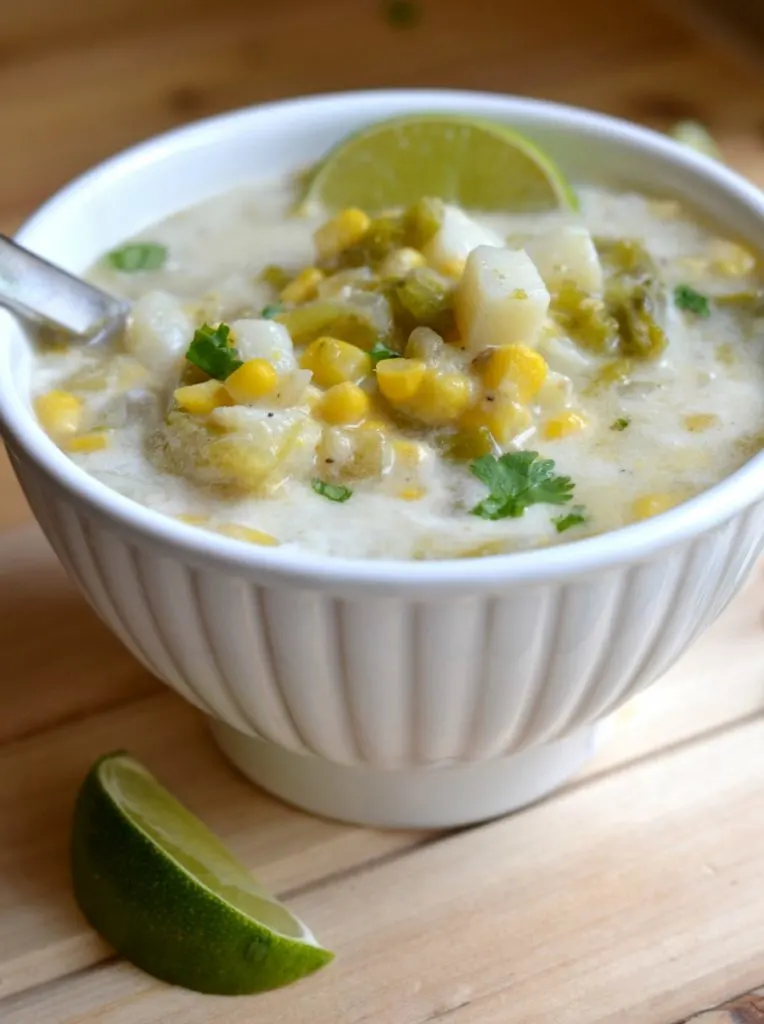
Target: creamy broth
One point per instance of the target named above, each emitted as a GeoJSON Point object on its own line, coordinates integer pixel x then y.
{"type": "Point", "coordinates": [634, 435]}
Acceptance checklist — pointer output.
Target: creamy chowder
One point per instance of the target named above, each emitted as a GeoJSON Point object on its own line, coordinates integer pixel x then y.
{"type": "Point", "coordinates": [423, 384]}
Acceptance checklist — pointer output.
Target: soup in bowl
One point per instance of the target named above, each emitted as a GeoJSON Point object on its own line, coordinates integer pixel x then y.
{"type": "Point", "coordinates": [325, 483]}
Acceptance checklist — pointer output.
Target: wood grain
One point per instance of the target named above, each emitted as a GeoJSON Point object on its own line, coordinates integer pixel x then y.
{"type": "Point", "coordinates": [632, 897]}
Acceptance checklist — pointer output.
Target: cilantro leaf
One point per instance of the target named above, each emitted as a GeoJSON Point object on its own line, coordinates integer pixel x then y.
{"type": "Point", "coordinates": [691, 301]}
{"type": "Point", "coordinates": [621, 423]}
{"type": "Point", "coordinates": [380, 351]}
{"type": "Point", "coordinates": [334, 492]}
{"type": "Point", "coordinates": [575, 517]}
{"type": "Point", "coordinates": [516, 481]}
{"type": "Point", "coordinates": [268, 312]}
{"type": "Point", "coordinates": [137, 256]}
{"type": "Point", "coordinates": [211, 352]}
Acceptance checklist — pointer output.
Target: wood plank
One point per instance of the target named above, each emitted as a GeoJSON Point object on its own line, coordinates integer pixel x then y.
{"type": "Point", "coordinates": [41, 935]}
{"type": "Point", "coordinates": [41, 932]}
{"type": "Point", "coordinates": [748, 1009]}
{"type": "Point", "coordinates": [620, 901]}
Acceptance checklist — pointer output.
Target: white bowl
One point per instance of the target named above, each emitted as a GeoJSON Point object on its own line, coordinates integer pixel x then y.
{"type": "Point", "coordinates": [397, 694]}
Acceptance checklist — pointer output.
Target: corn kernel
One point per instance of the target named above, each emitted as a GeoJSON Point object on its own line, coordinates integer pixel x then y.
{"type": "Point", "coordinates": [564, 425]}
{"type": "Point", "coordinates": [401, 261]}
{"type": "Point", "coordinates": [192, 520]}
{"type": "Point", "coordinates": [411, 493]}
{"type": "Point", "coordinates": [253, 380]}
{"type": "Point", "coordinates": [59, 412]}
{"type": "Point", "coordinates": [88, 443]}
{"type": "Point", "coordinates": [248, 534]}
{"type": "Point", "coordinates": [201, 399]}
{"type": "Point", "coordinates": [517, 366]}
{"type": "Point", "coordinates": [697, 422]}
{"type": "Point", "coordinates": [731, 259]}
{"type": "Point", "coordinates": [441, 397]}
{"type": "Point", "coordinates": [425, 344]}
{"type": "Point", "coordinates": [453, 268]}
{"type": "Point", "coordinates": [343, 404]}
{"type": "Point", "coordinates": [400, 379]}
{"type": "Point", "coordinates": [504, 419]}
{"type": "Point", "coordinates": [303, 287]}
{"type": "Point", "coordinates": [340, 232]}
{"type": "Point", "coordinates": [652, 505]}
{"type": "Point", "coordinates": [332, 361]}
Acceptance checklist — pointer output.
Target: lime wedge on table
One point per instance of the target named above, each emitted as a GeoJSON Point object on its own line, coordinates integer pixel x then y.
{"type": "Point", "coordinates": [478, 164]}
{"type": "Point", "coordinates": [166, 893]}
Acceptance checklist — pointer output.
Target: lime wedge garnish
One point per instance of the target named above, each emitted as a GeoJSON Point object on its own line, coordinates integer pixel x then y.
{"type": "Point", "coordinates": [479, 165]}
{"type": "Point", "coordinates": [169, 897]}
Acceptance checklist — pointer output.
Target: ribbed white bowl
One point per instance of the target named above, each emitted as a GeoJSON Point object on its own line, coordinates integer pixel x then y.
{"type": "Point", "coordinates": [395, 694]}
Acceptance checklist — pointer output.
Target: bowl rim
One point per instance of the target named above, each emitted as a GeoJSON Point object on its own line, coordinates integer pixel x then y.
{"type": "Point", "coordinates": [629, 544]}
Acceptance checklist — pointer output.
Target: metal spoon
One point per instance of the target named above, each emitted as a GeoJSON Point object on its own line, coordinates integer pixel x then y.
{"type": "Point", "coordinates": [45, 294]}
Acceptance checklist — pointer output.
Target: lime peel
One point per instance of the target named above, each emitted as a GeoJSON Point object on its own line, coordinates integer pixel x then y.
{"type": "Point", "coordinates": [476, 163]}
{"type": "Point", "coordinates": [169, 896]}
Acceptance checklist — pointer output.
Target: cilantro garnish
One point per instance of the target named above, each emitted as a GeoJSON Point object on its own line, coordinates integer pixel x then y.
{"type": "Point", "coordinates": [138, 256]}
{"type": "Point", "coordinates": [211, 351]}
{"type": "Point", "coordinates": [380, 351]}
{"type": "Point", "coordinates": [691, 301]}
{"type": "Point", "coordinates": [268, 312]}
{"type": "Point", "coordinates": [334, 492]}
{"type": "Point", "coordinates": [575, 517]}
{"type": "Point", "coordinates": [621, 423]}
{"type": "Point", "coordinates": [516, 481]}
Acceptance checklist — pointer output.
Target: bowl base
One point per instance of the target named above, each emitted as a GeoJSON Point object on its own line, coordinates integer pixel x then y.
{"type": "Point", "coordinates": [447, 797]}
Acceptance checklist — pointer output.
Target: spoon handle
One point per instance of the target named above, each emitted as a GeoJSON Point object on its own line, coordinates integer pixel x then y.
{"type": "Point", "coordinates": [39, 291]}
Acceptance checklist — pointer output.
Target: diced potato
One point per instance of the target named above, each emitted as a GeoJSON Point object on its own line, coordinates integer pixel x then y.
{"type": "Point", "coordinates": [201, 399]}
{"type": "Point", "coordinates": [264, 339]}
{"type": "Point", "coordinates": [567, 253]}
{"type": "Point", "coordinates": [501, 299]}
{"type": "Point", "coordinates": [332, 361]}
{"type": "Point", "coordinates": [60, 413]}
{"type": "Point", "coordinates": [514, 367]}
{"type": "Point", "coordinates": [343, 404]}
{"type": "Point", "coordinates": [400, 379]}
{"type": "Point", "coordinates": [159, 331]}
{"type": "Point", "coordinates": [730, 259]}
{"type": "Point", "coordinates": [348, 453]}
{"type": "Point", "coordinates": [455, 239]}
{"type": "Point", "coordinates": [253, 380]}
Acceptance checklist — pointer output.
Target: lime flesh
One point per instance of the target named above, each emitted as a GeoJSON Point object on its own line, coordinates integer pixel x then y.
{"type": "Point", "coordinates": [169, 897]}
{"type": "Point", "coordinates": [479, 165]}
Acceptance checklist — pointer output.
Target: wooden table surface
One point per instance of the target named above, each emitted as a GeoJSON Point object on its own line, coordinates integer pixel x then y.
{"type": "Point", "coordinates": [635, 895]}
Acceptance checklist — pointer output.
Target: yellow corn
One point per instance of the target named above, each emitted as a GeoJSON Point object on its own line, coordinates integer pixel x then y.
{"type": "Point", "coordinates": [517, 366]}
{"type": "Point", "coordinates": [697, 422]}
{"type": "Point", "coordinates": [343, 404]}
{"type": "Point", "coordinates": [248, 534]}
{"type": "Point", "coordinates": [400, 261]}
{"type": "Point", "coordinates": [88, 443]}
{"type": "Point", "coordinates": [564, 425]}
{"type": "Point", "coordinates": [502, 418]}
{"type": "Point", "coordinates": [253, 380]}
{"type": "Point", "coordinates": [303, 287]}
{"type": "Point", "coordinates": [201, 399]}
{"type": "Point", "coordinates": [731, 259]}
{"type": "Point", "coordinates": [340, 232]}
{"type": "Point", "coordinates": [332, 361]}
{"type": "Point", "coordinates": [652, 505]}
{"type": "Point", "coordinates": [441, 397]}
{"type": "Point", "coordinates": [192, 520]}
{"type": "Point", "coordinates": [425, 344]}
{"type": "Point", "coordinates": [411, 493]}
{"type": "Point", "coordinates": [59, 412]}
{"type": "Point", "coordinates": [453, 268]}
{"type": "Point", "coordinates": [400, 379]}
